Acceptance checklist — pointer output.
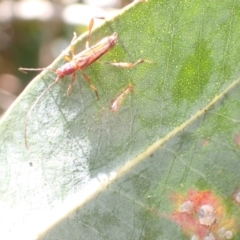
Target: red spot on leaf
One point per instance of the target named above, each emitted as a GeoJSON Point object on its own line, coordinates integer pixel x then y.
{"type": "Point", "coordinates": [237, 139]}
{"type": "Point", "coordinates": [205, 142]}
{"type": "Point", "coordinates": [201, 213]}
{"type": "Point", "coordinates": [236, 195]}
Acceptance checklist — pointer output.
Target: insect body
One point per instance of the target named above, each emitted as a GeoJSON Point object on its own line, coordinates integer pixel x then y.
{"type": "Point", "coordinates": [86, 58]}
{"type": "Point", "coordinates": [79, 62]}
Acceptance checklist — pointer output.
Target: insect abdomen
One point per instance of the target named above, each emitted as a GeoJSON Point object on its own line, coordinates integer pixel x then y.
{"type": "Point", "coordinates": [67, 69]}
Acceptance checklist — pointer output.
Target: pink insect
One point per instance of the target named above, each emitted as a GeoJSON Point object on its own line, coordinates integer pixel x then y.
{"type": "Point", "coordinates": [79, 62]}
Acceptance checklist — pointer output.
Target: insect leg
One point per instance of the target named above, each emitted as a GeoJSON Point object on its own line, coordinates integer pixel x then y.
{"type": "Point", "coordinates": [66, 55]}
{"type": "Point", "coordinates": [91, 85]}
{"type": "Point", "coordinates": [127, 64]}
{"type": "Point", "coordinates": [72, 44]}
{"type": "Point", "coordinates": [115, 104]}
{"type": "Point", "coordinates": [25, 70]}
{"type": "Point", "coordinates": [71, 83]}
{"type": "Point", "coordinates": [90, 26]}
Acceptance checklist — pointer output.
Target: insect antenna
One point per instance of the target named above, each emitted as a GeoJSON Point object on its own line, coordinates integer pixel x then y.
{"type": "Point", "coordinates": [25, 70]}
{"type": "Point", "coordinates": [31, 108]}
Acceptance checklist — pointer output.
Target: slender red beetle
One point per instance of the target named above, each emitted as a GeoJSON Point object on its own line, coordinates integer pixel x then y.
{"type": "Point", "coordinates": [79, 62]}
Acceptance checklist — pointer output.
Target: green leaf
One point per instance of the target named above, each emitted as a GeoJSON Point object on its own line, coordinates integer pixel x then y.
{"type": "Point", "coordinates": [91, 173]}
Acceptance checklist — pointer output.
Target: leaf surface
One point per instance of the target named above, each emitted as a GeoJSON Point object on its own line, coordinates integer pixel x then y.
{"type": "Point", "coordinates": [90, 173]}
